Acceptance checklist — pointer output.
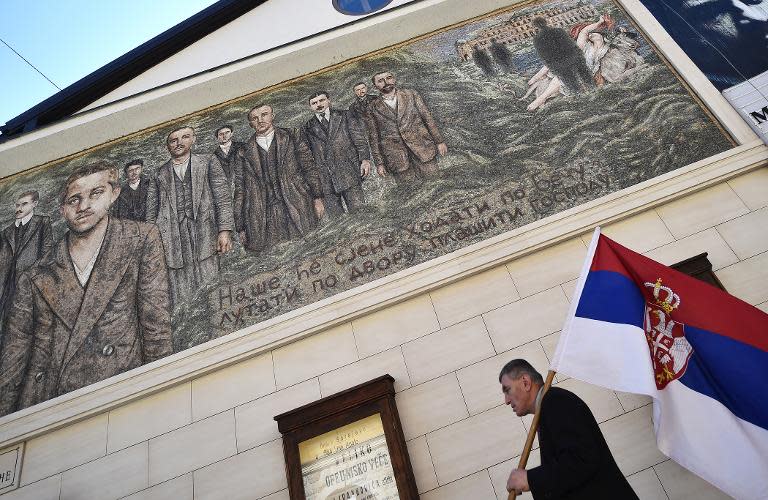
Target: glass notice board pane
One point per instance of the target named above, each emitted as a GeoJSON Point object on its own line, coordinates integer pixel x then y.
{"type": "Point", "coordinates": [351, 462]}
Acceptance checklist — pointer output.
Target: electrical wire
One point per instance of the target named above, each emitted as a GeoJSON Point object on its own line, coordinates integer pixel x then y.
{"type": "Point", "coordinates": [30, 64]}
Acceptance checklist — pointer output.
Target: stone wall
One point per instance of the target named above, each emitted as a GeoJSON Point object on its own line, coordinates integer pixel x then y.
{"type": "Point", "coordinates": [214, 437]}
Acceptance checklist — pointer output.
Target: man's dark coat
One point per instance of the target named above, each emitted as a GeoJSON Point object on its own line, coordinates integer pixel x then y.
{"type": "Point", "coordinates": [132, 204]}
{"type": "Point", "coordinates": [359, 107]}
{"type": "Point", "coordinates": [17, 256]}
{"type": "Point", "coordinates": [337, 151]}
{"type": "Point", "coordinates": [228, 160]}
{"type": "Point", "coordinates": [575, 460]}
{"type": "Point", "coordinates": [298, 184]}
{"type": "Point", "coordinates": [563, 57]}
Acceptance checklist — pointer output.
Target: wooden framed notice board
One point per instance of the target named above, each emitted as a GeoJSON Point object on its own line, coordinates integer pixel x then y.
{"type": "Point", "coordinates": [348, 446]}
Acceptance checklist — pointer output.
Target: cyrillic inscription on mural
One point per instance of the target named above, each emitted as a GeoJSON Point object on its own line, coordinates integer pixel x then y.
{"type": "Point", "coordinates": [215, 222]}
{"type": "Point", "coordinates": [269, 294]}
{"type": "Point", "coordinates": [351, 462]}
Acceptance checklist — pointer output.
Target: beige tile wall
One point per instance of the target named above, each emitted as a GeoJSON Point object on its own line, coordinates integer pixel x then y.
{"type": "Point", "coordinates": [214, 437]}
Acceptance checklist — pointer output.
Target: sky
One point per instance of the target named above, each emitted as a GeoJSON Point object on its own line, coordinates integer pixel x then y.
{"type": "Point", "coordinates": [69, 39]}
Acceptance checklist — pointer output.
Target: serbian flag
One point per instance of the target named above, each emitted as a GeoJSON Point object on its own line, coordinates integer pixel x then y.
{"type": "Point", "coordinates": [701, 354]}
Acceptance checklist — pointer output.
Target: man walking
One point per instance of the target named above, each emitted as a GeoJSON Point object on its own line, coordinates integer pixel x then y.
{"type": "Point", "coordinates": [575, 460]}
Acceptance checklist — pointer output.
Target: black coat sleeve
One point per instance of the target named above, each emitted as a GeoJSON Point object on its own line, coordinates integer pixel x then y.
{"type": "Point", "coordinates": [575, 451]}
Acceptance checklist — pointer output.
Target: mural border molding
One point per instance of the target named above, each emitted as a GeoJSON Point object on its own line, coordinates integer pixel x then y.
{"type": "Point", "coordinates": [346, 306]}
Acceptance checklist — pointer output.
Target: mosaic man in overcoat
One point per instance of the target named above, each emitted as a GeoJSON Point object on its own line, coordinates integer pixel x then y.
{"type": "Point", "coordinates": [340, 152]}
{"type": "Point", "coordinates": [278, 196]}
{"type": "Point", "coordinates": [94, 306]}
{"type": "Point", "coordinates": [191, 204]}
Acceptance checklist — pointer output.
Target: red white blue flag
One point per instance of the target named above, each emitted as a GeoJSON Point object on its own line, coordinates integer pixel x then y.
{"type": "Point", "coordinates": [638, 326]}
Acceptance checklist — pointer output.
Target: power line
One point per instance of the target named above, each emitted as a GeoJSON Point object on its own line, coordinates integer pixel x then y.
{"type": "Point", "coordinates": [32, 65]}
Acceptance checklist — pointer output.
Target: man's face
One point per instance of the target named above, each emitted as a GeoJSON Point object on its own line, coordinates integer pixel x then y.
{"type": "Point", "coordinates": [360, 90]}
{"type": "Point", "coordinates": [133, 172]}
{"type": "Point", "coordinates": [385, 82]}
{"type": "Point", "coordinates": [88, 201]}
{"type": "Point", "coordinates": [180, 142]}
{"type": "Point", "coordinates": [261, 119]}
{"type": "Point", "coordinates": [224, 136]}
{"type": "Point", "coordinates": [320, 103]}
{"type": "Point", "coordinates": [518, 394]}
{"type": "Point", "coordinates": [24, 206]}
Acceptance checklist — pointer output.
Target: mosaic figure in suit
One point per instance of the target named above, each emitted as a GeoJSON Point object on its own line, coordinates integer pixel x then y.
{"type": "Point", "coordinates": [362, 100]}
{"type": "Point", "coordinates": [227, 151]}
{"type": "Point", "coordinates": [94, 306]}
{"type": "Point", "coordinates": [277, 188]}
{"type": "Point", "coordinates": [405, 140]}
{"type": "Point", "coordinates": [191, 205]}
{"type": "Point", "coordinates": [132, 202]}
{"type": "Point", "coordinates": [340, 153]}
{"type": "Point", "coordinates": [22, 243]}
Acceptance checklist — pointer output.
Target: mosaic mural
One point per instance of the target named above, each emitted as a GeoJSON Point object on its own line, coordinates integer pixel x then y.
{"type": "Point", "coordinates": [190, 231]}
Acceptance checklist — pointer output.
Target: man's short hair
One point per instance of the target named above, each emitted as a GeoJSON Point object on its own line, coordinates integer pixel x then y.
{"type": "Point", "coordinates": [539, 22]}
{"type": "Point", "coordinates": [177, 129]}
{"type": "Point", "coordinates": [260, 105]}
{"type": "Point", "coordinates": [318, 93]}
{"type": "Point", "coordinates": [228, 127]}
{"type": "Point", "coordinates": [32, 193]}
{"type": "Point", "coordinates": [518, 367]}
{"type": "Point", "coordinates": [359, 83]}
{"type": "Point", "coordinates": [89, 169]}
{"type": "Point", "coordinates": [373, 78]}
{"type": "Point", "coordinates": [137, 161]}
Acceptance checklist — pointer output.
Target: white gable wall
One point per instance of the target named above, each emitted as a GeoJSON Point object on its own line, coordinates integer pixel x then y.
{"type": "Point", "coordinates": [269, 25]}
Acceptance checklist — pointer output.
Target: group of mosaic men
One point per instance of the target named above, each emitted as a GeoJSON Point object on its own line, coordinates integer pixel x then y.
{"type": "Point", "coordinates": [97, 302]}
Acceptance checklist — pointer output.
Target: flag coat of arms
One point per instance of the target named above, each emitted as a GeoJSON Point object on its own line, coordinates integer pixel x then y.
{"type": "Point", "coordinates": [638, 326]}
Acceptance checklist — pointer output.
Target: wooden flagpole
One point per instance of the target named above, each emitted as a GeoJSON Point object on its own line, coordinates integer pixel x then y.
{"type": "Point", "coordinates": [532, 431]}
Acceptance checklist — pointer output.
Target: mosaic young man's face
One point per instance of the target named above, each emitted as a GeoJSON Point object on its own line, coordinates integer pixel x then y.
{"type": "Point", "coordinates": [133, 173]}
{"type": "Point", "coordinates": [261, 119]}
{"type": "Point", "coordinates": [224, 135]}
{"type": "Point", "coordinates": [88, 200]}
{"type": "Point", "coordinates": [360, 90]}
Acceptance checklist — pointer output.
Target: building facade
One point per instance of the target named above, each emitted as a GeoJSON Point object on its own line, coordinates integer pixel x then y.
{"type": "Point", "coordinates": [485, 284]}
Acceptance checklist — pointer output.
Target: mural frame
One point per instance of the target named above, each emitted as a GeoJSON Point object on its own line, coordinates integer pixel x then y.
{"type": "Point", "coordinates": [103, 125]}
